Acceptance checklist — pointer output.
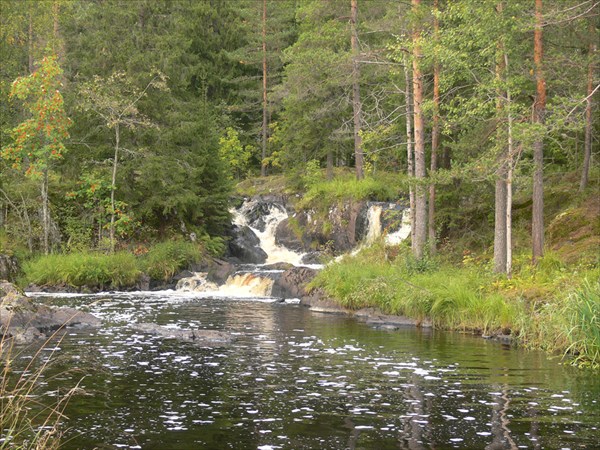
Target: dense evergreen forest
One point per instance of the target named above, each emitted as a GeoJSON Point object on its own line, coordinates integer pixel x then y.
{"type": "Point", "coordinates": [130, 122]}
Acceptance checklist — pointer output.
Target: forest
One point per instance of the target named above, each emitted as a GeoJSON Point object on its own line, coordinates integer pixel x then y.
{"type": "Point", "coordinates": [129, 126]}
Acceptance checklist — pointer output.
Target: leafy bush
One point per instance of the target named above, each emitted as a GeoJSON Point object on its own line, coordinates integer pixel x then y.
{"type": "Point", "coordinates": [167, 258]}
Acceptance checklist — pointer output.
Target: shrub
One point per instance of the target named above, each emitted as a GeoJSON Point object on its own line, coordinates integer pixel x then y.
{"type": "Point", "coordinates": [167, 258]}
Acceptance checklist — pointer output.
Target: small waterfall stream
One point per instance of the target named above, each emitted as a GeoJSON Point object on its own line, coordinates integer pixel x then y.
{"type": "Point", "coordinates": [257, 280]}
{"type": "Point", "coordinates": [276, 214]}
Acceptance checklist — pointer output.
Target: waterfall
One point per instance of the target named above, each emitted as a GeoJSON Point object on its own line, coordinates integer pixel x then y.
{"type": "Point", "coordinates": [401, 233]}
{"type": "Point", "coordinates": [238, 285]}
{"type": "Point", "coordinates": [276, 214]}
{"type": "Point", "coordinates": [374, 224]}
{"type": "Point", "coordinates": [375, 228]}
{"type": "Point", "coordinates": [244, 283]}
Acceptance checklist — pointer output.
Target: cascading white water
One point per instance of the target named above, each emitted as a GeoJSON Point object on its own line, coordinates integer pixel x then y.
{"type": "Point", "coordinates": [401, 233]}
{"type": "Point", "coordinates": [275, 253]}
{"type": "Point", "coordinates": [259, 283]}
{"type": "Point", "coordinates": [374, 224]}
{"type": "Point", "coordinates": [374, 229]}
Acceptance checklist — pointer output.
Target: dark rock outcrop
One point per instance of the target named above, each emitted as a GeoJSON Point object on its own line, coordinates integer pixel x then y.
{"type": "Point", "coordinates": [292, 283]}
{"type": "Point", "coordinates": [245, 246]}
{"type": "Point", "coordinates": [23, 320]}
{"type": "Point", "coordinates": [9, 267]}
{"type": "Point", "coordinates": [219, 270]}
{"type": "Point", "coordinates": [286, 237]}
{"type": "Point", "coordinates": [198, 336]}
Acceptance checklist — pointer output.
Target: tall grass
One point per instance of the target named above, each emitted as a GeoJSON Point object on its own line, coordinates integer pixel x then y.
{"type": "Point", "coordinates": [167, 258]}
{"type": "Point", "coordinates": [84, 269]}
{"type": "Point", "coordinates": [582, 310]}
{"type": "Point", "coordinates": [385, 187]}
{"type": "Point", "coordinates": [25, 421]}
{"type": "Point", "coordinates": [470, 297]}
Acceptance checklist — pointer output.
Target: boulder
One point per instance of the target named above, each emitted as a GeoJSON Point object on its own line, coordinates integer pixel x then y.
{"type": "Point", "coordinates": [219, 270]}
{"type": "Point", "coordinates": [245, 246]}
{"type": "Point", "coordinates": [286, 237]}
{"type": "Point", "coordinates": [197, 336]}
{"type": "Point", "coordinates": [292, 283]}
{"type": "Point", "coordinates": [9, 267]}
{"type": "Point", "coordinates": [313, 258]}
{"type": "Point", "coordinates": [23, 320]}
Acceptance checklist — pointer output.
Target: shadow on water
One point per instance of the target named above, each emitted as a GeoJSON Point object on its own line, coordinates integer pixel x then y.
{"type": "Point", "coordinates": [296, 379]}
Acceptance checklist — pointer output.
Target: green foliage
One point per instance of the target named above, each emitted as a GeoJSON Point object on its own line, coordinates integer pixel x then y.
{"type": "Point", "coordinates": [236, 155]}
{"type": "Point", "coordinates": [83, 269]}
{"type": "Point", "coordinates": [384, 187]}
{"type": "Point", "coordinates": [38, 141]}
{"type": "Point", "coordinates": [165, 259]}
{"type": "Point", "coordinates": [582, 310]}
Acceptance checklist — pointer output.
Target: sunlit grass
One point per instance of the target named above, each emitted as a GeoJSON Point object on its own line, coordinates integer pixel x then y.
{"type": "Point", "coordinates": [550, 306]}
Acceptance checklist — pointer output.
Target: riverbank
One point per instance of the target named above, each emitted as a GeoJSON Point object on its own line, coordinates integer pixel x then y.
{"type": "Point", "coordinates": [554, 306]}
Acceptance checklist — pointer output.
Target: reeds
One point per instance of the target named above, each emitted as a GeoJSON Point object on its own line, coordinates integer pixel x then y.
{"type": "Point", "coordinates": [27, 422]}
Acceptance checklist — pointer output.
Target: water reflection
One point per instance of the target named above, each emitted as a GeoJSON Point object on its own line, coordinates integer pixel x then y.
{"type": "Point", "coordinates": [300, 380]}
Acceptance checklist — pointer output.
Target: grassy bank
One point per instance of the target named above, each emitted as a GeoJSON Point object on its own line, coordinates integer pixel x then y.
{"type": "Point", "coordinates": [554, 306]}
{"type": "Point", "coordinates": [118, 270]}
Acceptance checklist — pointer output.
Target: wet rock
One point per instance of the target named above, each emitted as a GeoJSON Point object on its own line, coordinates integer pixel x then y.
{"type": "Point", "coordinates": [144, 282]}
{"type": "Point", "coordinates": [198, 282]}
{"type": "Point", "coordinates": [318, 301]}
{"type": "Point", "coordinates": [292, 283]}
{"type": "Point", "coordinates": [9, 267]}
{"type": "Point", "coordinates": [23, 320]}
{"type": "Point", "coordinates": [278, 266]}
{"type": "Point", "coordinates": [313, 258]}
{"type": "Point", "coordinates": [245, 246]}
{"type": "Point", "coordinates": [219, 270]}
{"type": "Point", "coordinates": [378, 319]}
{"type": "Point", "coordinates": [286, 237]}
{"type": "Point", "coordinates": [199, 337]}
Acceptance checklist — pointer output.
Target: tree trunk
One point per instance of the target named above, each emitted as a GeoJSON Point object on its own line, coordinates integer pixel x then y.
{"type": "Point", "coordinates": [113, 188]}
{"type": "Point", "coordinates": [356, 104]}
{"type": "Point", "coordinates": [500, 195]}
{"type": "Point", "coordinates": [509, 179]}
{"type": "Point", "coordinates": [435, 136]}
{"type": "Point", "coordinates": [30, 41]}
{"type": "Point", "coordinates": [585, 171]}
{"type": "Point", "coordinates": [410, 165]}
{"type": "Point", "coordinates": [420, 171]}
{"type": "Point", "coordinates": [539, 109]}
{"type": "Point", "coordinates": [263, 166]}
{"type": "Point", "coordinates": [45, 212]}
{"type": "Point", "coordinates": [500, 221]}
{"type": "Point", "coordinates": [329, 169]}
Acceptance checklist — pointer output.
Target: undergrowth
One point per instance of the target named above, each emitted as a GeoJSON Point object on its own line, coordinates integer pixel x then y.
{"type": "Point", "coordinates": [165, 259]}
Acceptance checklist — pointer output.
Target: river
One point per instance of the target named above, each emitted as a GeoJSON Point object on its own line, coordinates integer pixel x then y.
{"type": "Point", "coordinates": [297, 379]}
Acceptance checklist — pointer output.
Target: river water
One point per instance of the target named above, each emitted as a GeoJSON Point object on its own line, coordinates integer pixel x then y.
{"type": "Point", "coordinates": [296, 379]}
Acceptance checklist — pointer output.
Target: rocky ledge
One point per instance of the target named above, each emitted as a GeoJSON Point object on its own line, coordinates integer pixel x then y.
{"type": "Point", "coordinates": [24, 321]}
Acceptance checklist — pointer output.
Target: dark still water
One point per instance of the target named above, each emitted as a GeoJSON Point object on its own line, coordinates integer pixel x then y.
{"type": "Point", "coordinates": [295, 379]}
